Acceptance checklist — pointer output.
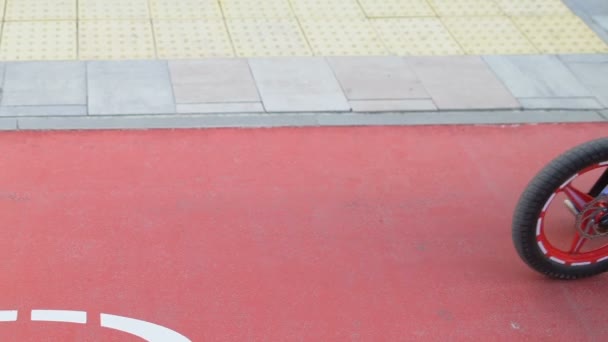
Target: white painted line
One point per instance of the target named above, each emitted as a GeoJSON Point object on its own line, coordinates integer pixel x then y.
{"type": "Point", "coordinates": [568, 181]}
{"type": "Point", "coordinates": [581, 263]}
{"type": "Point", "coordinates": [538, 225]}
{"type": "Point", "coordinates": [549, 202]}
{"type": "Point", "coordinates": [542, 247]}
{"type": "Point", "coordinates": [67, 316]}
{"type": "Point", "coordinates": [148, 331]}
{"type": "Point", "coordinates": [559, 261]}
{"type": "Point", "coordinates": [602, 259]}
{"type": "Point", "coordinates": [8, 315]}
{"type": "Point", "coordinates": [604, 163]}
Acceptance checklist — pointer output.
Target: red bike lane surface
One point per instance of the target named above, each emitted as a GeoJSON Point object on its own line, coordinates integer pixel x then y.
{"type": "Point", "coordinates": [318, 234]}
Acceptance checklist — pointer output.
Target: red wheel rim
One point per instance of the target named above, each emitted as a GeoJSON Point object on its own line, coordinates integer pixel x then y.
{"type": "Point", "coordinates": [574, 256]}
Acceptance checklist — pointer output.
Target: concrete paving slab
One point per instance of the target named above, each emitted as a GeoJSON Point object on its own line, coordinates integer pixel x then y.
{"type": "Point", "coordinates": [213, 80]}
{"type": "Point", "coordinates": [561, 103]}
{"type": "Point", "coordinates": [129, 87]}
{"type": "Point", "coordinates": [392, 105]}
{"type": "Point", "coordinates": [536, 76]}
{"type": "Point", "coordinates": [297, 84]}
{"type": "Point", "coordinates": [584, 58]}
{"type": "Point", "coordinates": [45, 84]}
{"type": "Point", "coordinates": [592, 7]}
{"type": "Point", "coordinates": [462, 82]}
{"type": "Point", "coordinates": [68, 110]}
{"type": "Point", "coordinates": [375, 78]}
{"type": "Point", "coordinates": [8, 124]}
{"type": "Point", "coordinates": [233, 107]}
{"type": "Point", "coordinates": [594, 77]}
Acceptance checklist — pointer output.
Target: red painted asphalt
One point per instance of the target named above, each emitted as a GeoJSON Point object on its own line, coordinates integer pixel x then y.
{"type": "Point", "coordinates": [286, 234]}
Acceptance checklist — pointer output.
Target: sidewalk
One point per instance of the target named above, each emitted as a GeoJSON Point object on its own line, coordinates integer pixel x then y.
{"type": "Point", "coordinates": [512, 62]}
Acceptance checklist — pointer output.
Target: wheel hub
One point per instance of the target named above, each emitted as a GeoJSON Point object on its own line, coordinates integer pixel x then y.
{"type": "Point", "coordinates": [592, 221]}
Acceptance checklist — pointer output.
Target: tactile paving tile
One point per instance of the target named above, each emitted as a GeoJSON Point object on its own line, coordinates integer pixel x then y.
{"type": "Point", "coordinates": [346, 37]}
{"type": "Point", "coordinates": [396, 8]}
{"type": "Point", "coordinates": [267, 37]}
{"type": "Point", "coordinates": [327, 9]}
{"type": "Point", "coordinates": [113, 9]}
{"type": "Point", "coordinates": [533, 7]}
{"type": "Point", "coordinates": [257, 9]}
{"type": "Point", "coordinates": [185, 9]}
{"type": "Point", "coordinates": [118, 39]}
{"type": "Point", "coordinates": [448, 8]}
{"type": "Point", "coordinates": [192, 39]}
{"type": "Point", "coordinates": [38, 40]}
{"type": "Point", "coordinates": [560, 34]}
{"type": "Point", "coordinates": [24, 10]}
{"type": "Point", "coordinates": [416, 37]}
{"type": "Point", "coordinates": [488, 35]}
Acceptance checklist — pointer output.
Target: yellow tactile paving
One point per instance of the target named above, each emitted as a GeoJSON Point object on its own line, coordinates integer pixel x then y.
{"type": "Point", "coordinates": [416, 37]}
{"type": "Point", "coordinates": [396, 8]}
{"type": "Point", "coordinates": [195, 38]}
{"type": "Point", "coordinates": [185, 9]}
{"type": "Point", "coordinates": [488, 35]}
{"type": "Point", "coordinates": [465, 7]}
{"type": "Point", "coordinates": [306, 9]}
{"type": "Point", "coordinates": [38, 40]}
{"type": "Point", "coordinates": [24, 10]}
{"type": "Point", "coordinates": [113, 9]}
{"type": "Point", "coordinates": [562, 34]}
{"type": "Point", "coordinates": [147, 29]}
{"type": "Point", "coordinates": [119, 39]}
{"type": "Point", "coordinates": [257, 9]}
{"type": "Point", "coordinates": [533, 7]}
{"type": "Point", "coordinates": [345, 37]}
{"type": "Point", "coordinates": [268, 37]}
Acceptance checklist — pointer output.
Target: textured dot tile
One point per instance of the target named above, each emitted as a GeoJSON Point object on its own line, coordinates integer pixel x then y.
{"type": "Point", "coordinates": [185, 9]}
{"type": "Point", "coordinates": [113, 9]}
{"type": "Point", "coordinates": [119, 39]}
{"type": "Point", "coordinates": [267, 37]}
{"type": "Point", "coordinates": [488, 35]}
{"type": "Point", "coordinates": [327, 9]}
{"type": "Point", "coordinates": [346, 37]}
{"type": "Point", "coordinates": [396, 8]}
{"type": "Point", "coordinates": [416, 37]}
{"type": "Point", "coordinates": [24, 10]}
{"type": "Point", "coordinates": [257, 9]}
{"type": "Point", "coordinates": [38, 40]}
{"type": "Point", "coordinates": [560, 34]}
{"type": "Point", "coordinates": [192, 39]}
{"type": "Point", "coordinates": [533, 7]}
{"type": "Point", "coordinates": [465, 7]}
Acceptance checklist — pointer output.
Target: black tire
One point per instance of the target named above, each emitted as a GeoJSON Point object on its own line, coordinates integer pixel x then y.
{"type": "Point", "coordinates": [533, 199]}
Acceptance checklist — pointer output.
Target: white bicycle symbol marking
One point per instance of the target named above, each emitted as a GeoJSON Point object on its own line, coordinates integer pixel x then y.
{"type": "Point", "coordinates": [148, 331]}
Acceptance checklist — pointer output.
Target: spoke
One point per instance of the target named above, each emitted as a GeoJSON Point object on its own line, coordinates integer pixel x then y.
{"type": "Point", "coordinates": [577, 243]}
{"type": "Point", "coordinates": [578, 198]}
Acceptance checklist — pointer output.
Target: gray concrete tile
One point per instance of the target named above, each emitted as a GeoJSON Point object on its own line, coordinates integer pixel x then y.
{"type": "Point", "coordinates": [297, 84]}
{"type": "Point", "coordinates": [377, 78]}
{"type": "Point", "coordinates": [561, 103]}
{"type": "Point", "coordinates": [240, 107]}
{"type": "Point", "coordinates": [592, 7]}
{"type": "Point", "coordinates": [594, 77]}
{"type": "Point", "coordinates": [601, 20]}
{"type": "Point", "coordinates": [392, 105]}
{"type": "Point", "coordinates": [463, 82]}
{"type": "Point", "coordinates": [45, 84]}
{"type": "Point", "coordinates": [43, 110]}
{"type": "Point", "coordinates": [584, 58]}
{"type": "Point", "coordinates": [8, 124]}
{"type": "Point", "coordinates": [213, 80]}
{"type": "Point", "coordinates": [536, 76]}
{"type": "Point", "coordinates": [129, 87]}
